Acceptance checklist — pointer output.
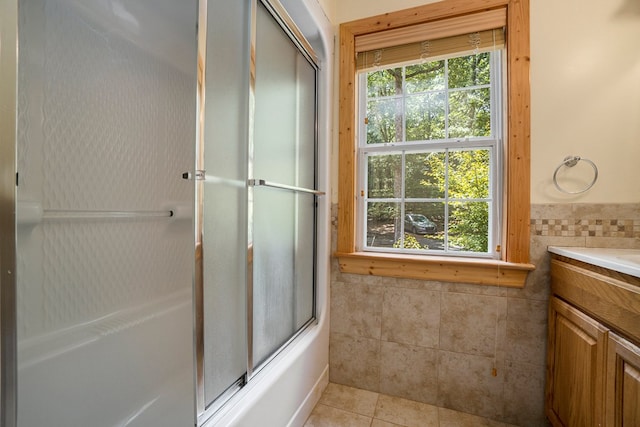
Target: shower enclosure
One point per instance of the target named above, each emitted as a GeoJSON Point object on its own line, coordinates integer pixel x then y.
{"type": "Point", "coordinates": [164, 239]}
{"type": "Point", "coordinates": [256, 186]}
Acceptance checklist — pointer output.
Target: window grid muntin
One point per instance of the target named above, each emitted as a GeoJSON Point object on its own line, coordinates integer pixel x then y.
{"type": "Point", "coordinates": [447, 107]}
{"type": "Point", "coordinates": [495, 154]}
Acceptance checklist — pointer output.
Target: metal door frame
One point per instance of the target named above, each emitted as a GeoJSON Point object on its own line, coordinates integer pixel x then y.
{"type": "Point", "coordinates": [8, 184]}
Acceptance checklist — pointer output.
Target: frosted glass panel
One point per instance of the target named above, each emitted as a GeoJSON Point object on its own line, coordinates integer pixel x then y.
{"type": "Point", "coordinates": [283, 267]}
{"type": "Point", "coordinates": [304, 254]}
{"type": "Point", "coordinates": [106, 101]}
{"type": "Point", "coordinates": [283, 220]}
{"type": "Point", "coordinates": [273, 266]}
{"type": "Point", "coordinates": [284, 141]}
{"type": "Point", "coordinates": [306, 123]}
{"type": "Point", "coordinates": [225, 197]}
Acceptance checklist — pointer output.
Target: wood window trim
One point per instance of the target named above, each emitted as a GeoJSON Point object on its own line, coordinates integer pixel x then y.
{"type": "Point", "coordinates": [512, 269]}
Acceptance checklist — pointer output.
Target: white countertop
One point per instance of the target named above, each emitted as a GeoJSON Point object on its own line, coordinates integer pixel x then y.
{"type": "Point", "coordinates": [622, 260]}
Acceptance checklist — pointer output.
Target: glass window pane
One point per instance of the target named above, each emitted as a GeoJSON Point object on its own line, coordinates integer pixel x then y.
{"type": "Point", "coordinates": [472, 70]}
{"type": "Point", "coordinates": [468, 226]}
{"type": "Point", "coordinates": [383, 224]}
{"type": "Point", "coordinates": [384, 176]}
{"type": "Point", "coordinates": [425, 77]}
{"type": "Point", "coordinates": [425, 222]}
{"type": "Point", "coordinates": [410, 242]}
{"type": "Point", "coordinates": [384, 121]}
{"type": "Point", "coordinates": [384, 83]}
{"type": "Point", "coordinates": [426, 116]}
{"type": "Point", "coordinates": [432, 182]}
{"type": "Point", "coordinates": [469, 174]}
{"type": "Point", "coordinates": [424, 175]}
{"type": "Point", "coordinates": [470, 113]}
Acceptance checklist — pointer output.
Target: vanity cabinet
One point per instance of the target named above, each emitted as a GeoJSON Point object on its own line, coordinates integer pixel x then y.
{"type": "Point", "coordinates": [593, 351]}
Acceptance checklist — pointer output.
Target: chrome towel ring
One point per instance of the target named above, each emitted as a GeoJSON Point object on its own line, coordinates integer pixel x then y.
{"type": "Point", "coordinates": [571, 161]}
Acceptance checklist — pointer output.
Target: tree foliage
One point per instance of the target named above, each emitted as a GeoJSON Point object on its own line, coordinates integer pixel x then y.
{"type": "Point", "coordinates": [410, 103]}
{"type": "Point", "coordinates": [467, 178]}
{"type": "Point", "coordinates": [409, 242]}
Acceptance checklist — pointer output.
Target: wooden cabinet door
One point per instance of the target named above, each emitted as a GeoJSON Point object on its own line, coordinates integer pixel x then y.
{"type": "Point", "coordinates": [575, 367]}
{"type": "Point", "coordinates": [623, 383]}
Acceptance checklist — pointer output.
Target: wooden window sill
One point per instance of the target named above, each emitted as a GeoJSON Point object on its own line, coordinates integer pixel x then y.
{"type": "Point", "coordinates": [447, 269]}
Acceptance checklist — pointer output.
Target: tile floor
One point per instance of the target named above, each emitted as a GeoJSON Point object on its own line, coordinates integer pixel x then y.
{"type": "Point", "coordinates": [342, 406]}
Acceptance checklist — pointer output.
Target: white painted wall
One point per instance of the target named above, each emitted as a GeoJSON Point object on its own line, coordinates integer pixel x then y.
{"type": "Point", "coordinates": [329, 8]}
{"type": "Point", "coordinates": [585, 83]}
{"type": "Point", "coordinates": [349, 10]}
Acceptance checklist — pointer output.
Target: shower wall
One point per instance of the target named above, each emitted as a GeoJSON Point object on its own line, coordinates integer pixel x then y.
{"type": "Point", "coordinates": [106, 127]}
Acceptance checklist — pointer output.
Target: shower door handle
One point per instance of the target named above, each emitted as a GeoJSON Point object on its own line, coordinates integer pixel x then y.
{"type": "Point", "coordinates": [264, 183]}
{"type": "Point", "coordinates": [198, 175]}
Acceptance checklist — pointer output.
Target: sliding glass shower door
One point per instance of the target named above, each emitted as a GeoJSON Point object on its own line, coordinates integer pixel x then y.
{"type": "Point", "coordinates": [222, 320]}
{"type": "Point", "coordinates": [283, 210]}
{"type": "Point", "coordinates": [256, 192]}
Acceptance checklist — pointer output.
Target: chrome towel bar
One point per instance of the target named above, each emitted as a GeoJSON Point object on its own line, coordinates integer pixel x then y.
{"type": "Point", "coordinates": [31, 213]}
{"type": "Point", "coordinates": [81, 214]}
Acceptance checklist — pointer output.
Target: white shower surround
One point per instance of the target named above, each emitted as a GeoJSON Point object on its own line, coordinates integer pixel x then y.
{"type": "Point", "coordinates": [136, 386]}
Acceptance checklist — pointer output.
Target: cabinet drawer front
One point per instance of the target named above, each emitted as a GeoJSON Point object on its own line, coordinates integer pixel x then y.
{"type": "Point", "coordinates": [609, 300]}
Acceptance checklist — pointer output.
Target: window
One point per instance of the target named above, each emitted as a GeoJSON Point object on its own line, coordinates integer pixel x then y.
{"type": "Point", "coordinates": [413, 131]}
{"type": "Point", "coordinates": [429, 148]}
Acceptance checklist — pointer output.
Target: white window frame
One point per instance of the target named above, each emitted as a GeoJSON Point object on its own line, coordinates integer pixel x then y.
{"type": "Point", "coordinates": [494, 143]}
